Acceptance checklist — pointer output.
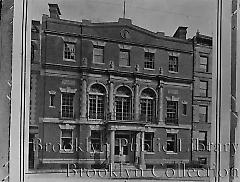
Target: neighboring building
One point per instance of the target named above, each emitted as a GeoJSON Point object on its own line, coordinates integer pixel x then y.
{"type": "Point", "coordinates": [202, 98]}
{"type": "Point", "coordinates": [100, 87]}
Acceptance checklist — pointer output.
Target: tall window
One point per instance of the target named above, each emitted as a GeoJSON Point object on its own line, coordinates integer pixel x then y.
{"type": "Point", "coordinates": [202, 140]}
{"type": "Point", "coordinates": [172, 112]}
{"type": "Point", "coordinates": [69, 51]}
{"type": "Point", "coordinates": [96, 102]}
{"type": "Point", "coordinates": [66, 140]}
{"type": "Point", "coordinates": [148, 141]}
{"type": "Point", "coordinates": [67, 105]}
{"type": "Point", "coordinates": [124, 57]}
{"type": "Point", "coordinates": [123, 104]}
{"type": "Point", "coordinates": [173, 63]}
{"type": "Point", "coordinates": [96, 140]}
{"type": "Point", "coordinates": [203, 88]}
{"type": "Point", "coordinates": [98, 52]}
{"type": "Point", "coordinates": [147, 105]}
{"type": "Point", "coordinates": [51, 99]}
{"type": "Point", "coordinates": [203, 110]}
{"type": "Point", "coordinates": [149, 60]}
{"type": "Point", "coordinates": [171, 142]}
{"type": "Point", "coordinates": [204, 63]}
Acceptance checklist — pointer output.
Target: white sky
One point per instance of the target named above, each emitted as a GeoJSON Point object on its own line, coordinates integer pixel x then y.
{"type": "Point", "coordinates": [154, 15]}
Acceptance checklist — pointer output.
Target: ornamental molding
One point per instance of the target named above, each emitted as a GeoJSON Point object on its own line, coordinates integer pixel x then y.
{"type": "Point", "coordinates": [68, 90]}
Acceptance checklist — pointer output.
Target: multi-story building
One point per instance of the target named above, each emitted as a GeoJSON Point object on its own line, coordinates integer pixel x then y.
{"type": "Point", "coordinates": [104, 93]}
{"type": "Point", "coordinates": [202, 98]}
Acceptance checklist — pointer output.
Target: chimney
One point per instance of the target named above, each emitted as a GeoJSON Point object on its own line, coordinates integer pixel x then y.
{"type": "Point", "coordinates": [181, 33]}
{"type": "Point", "coordinates": [125, 21]}
{"type": "Point", "coordinates": [54, 11]}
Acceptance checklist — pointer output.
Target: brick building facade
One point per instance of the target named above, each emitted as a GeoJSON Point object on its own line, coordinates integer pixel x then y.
{"type": "Point", "coordinates": [104, 93]}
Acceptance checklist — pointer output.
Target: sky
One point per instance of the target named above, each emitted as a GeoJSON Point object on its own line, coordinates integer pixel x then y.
{"type": "Point", "coordinates": [154, 15]}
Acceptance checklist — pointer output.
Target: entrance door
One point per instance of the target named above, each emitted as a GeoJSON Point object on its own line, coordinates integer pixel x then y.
{"type": "Point", "coordinates": [122, 147]}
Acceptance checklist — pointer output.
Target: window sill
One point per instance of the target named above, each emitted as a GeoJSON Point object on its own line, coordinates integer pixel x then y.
{"type": "Point", "coordinates": [171, 153]}
{"type": "Point", "coordinates": [150, 153]}
{"type": "Point", "coordinates": [99, 63]}
{"type": "Point", "coordinates": [52, 107]}
{"type": "Point", "coordinates": [174, 72]}
{"type": "Point", "coordinates": [150, 69]}
{"type": "Point", "coordinates": [66, 151]}
{"type": "Point", "coordinates": [96, 152]}
{"type": "Point", "coordinates": [124, 66]}
{"type": "Point", "coordinates": [69, 60]}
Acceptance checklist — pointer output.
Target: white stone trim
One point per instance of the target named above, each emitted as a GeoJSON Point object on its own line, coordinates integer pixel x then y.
{"type": "Point", "coordinates": [66, 126]}
{"type": "Point", "coordinates": [98, 43]}
{"type": "Point", "coordinates": [123, 46]}
{"type": "Point", "coordinates": [151, 50]}
{"type": "Point", "coordinates": [68, 90]}
{"type": "Point", "coordinates": [172, 131]}
{"type": "Point", "coordinates": [69, 39]}
{"type": "Point", "coordinates": [172, 98]}
{"type": "Point", "coordinates": [52, 92]}
{"type": "Point", "coordinates": [177, 54]}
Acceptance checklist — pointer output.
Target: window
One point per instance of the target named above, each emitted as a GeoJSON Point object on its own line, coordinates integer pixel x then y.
{"type": "Point", "coordinates": [203, 88]}
{"type": "Point", "coordinates": [96, 141]}
{"type": "Point", "coordinates": [204, 63]}
{"type": "Point", "coordinates": [184, 109]}
{"type": "Point", "coordinates": [202, 160]}
{"type": "Point", "coordinates": [51, 100]}
{"type": "Point", "coordinates": [147, 105]}
{"type": "Point", "coordinates": [171, 142]}
{"type": "Point", "coordinates": [202, 140]}
{"type": "Point", "coordinates": [173, 63]}
{"type": "Point", "coordinates": [172, 112]}
{"type": "Point", "coordinates": [96, 102]}
{"type": "Point", "coordinates": [69, 51]}
{"type": "Point", "coordinates": [149, 60]}
{"type": "Point", "coordinates": [203, 110]}
{"type": "Point", "coordinates": [123, 104]}
{"type": "Point", "coordinates": [66, 140]}
{"type": "Point", "coordinates": [98, 52]}
{"type": "Point", "coordinates": [124, 57]}
{"type": "Point", "coordinates": [32, 53]}
{"type": "Point", "coordinates": [148, 141]}
{"type": "Point", "coordinates": [67, 105]}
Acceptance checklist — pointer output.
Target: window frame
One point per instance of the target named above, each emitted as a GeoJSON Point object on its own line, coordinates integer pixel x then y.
{"type": "Point", "coordinates": [121, 58]}
{"type": "Point", "coordinates": [64, 52]}
{"type": "Point", "coordinates": [100, 139]}
{"type": "Point", "coordinates": [203, 92]}
{"type": "Point", "coordinates": [70, 93]}
{"type": "Point", "coordinates": [149, 60]}
{"type": "Point", "coordinates": [205, 115]}
{"type": "Point", "coordinates": [172, 66]}
{"type": "Point", "coordinates": [62, 150]}
{"type": "Point", "coordinates": [202, 141]}
{"type": "Point", "coordinates": [97, 96]}
{"type": "Point", "coordinates": [174, 151]}
{"type": "Point", "coordinates": [173, 120]}
{"type": "Point", "coordinates": [184, 111]}
{"type": "Point", "coordinates": [151, 150]}
{"type": "Point", "coordinates": [205, 65]}
{"type": "Point", "coordinates": [98, 47]}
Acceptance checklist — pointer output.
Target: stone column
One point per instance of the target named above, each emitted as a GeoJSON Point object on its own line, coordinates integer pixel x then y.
{"type": "Point", "coordinates": [110, 97]}
{"type": "Point", "coordinates": [83, 101]}
{"type": "Point", "coordinates": [136, 103]}
{"type": "Point", "coordinates": [112, 147]}
{"type": "Point", "coordinates": [137, 147]}
{"type": "Point", "coordinates": [142, 160]}
{"type": "Point", "coordinates": [160, 103]}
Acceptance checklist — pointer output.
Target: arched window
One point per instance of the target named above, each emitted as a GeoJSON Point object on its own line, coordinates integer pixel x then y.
{"type": "Point", "coordinates": [147, 102]}
{"type": "Point", "coordinates": [123, 102]}
{"type": "Point", "coordinates": [97, 102]}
